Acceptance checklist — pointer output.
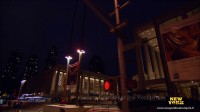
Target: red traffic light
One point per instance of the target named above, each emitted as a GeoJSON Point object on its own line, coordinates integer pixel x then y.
{"type": "Point", "coordinates": [106, 85]}
{"type": "Point", "coordinates": [110, 85]}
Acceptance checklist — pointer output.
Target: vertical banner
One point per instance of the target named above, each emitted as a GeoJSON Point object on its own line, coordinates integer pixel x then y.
{"type": "Point", "coordinates": [181, 43]}
{"type": "Point", "coordinates": [72, 75]}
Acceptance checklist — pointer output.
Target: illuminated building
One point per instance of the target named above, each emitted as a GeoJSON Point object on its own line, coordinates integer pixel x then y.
{"type": "Point", "coordinates": [157, 68]}
{"type": "Point", "coordinates": [50, 83]}
{"type": "Point", "coordinates": [10, 74]}
{"type": "Point", "coordinates": [11, 68]}
{"type": "Point", "coordinates": [31, 67]}
{"type": "Point", "coordinates": [51, 58]}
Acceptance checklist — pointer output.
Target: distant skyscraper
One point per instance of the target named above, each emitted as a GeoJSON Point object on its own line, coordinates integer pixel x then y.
{"type": "Point", "coordinates": [51, 58]}
{"type": "Point", "coordinates": [12, 67]}
{"type": "Point", "coordinates": [96, 64]}
{"type": "Point", "coordinates": [31, 68]}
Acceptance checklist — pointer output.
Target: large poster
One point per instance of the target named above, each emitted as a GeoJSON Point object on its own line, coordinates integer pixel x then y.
{"type": "Point", "coordinates": [181, 43]}
{"type": "Point", "coordinates": [72, 75]}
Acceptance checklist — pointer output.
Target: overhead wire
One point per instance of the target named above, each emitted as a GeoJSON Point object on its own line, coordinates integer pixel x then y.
{"type": "Point", "coordinates": [72, 27]}
{"type": "Point", "coordinates": [83, 27]}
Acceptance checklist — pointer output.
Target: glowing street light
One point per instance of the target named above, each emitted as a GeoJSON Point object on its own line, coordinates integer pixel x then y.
{"type": "Point", "coordinates": [80, 53]}
{"type": "Point", "coordinates": [68, 58]}
{"type": "Point", "coordinates": [66, 76]}
{"type": "Point", "coordinates": [23, 81]}
{"type": "Point", "coordinates": [21, 86]}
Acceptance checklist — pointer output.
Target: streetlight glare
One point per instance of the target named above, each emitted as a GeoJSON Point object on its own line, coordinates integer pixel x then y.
{"type": "Point", "coordinates": [23, 81]}
{"type": "Point", "coordinates": [80, 51]}
{"type": "Point", "coordinates": [68, 57]}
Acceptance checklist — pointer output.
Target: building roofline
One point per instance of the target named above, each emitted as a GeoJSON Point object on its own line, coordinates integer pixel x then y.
{"type": "Point", "coordinates": [168, 15]}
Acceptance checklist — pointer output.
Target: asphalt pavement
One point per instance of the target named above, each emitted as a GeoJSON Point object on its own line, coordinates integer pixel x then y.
{"type": "Point", "coordinates": [38, 107]}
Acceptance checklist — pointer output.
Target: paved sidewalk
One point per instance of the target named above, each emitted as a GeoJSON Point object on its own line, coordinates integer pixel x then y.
{"type": "Point", "coordinates": [35, 107]}
{"type": "Point", "coordinates": [104, 108]}
{"type": "Point", "coordinates": [26, 107]}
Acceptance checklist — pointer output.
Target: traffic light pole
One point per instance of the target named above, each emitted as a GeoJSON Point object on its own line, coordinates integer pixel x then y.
{"type": "Point", "coordinates": [121, 62]}
{"type": "Point", "coordinates": [120, 46]}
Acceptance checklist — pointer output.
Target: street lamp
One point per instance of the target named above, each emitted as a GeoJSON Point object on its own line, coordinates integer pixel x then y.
{"type": "Point", "coordinates": [66, 76]}
{"type": "Point", "coordinates": [80, 55]}
{"type": "Point", "coordinates": [21, 86]}
{"type": "Point", "coordinates": [77, 85]}
{"type": "Point", "coordinates": [68, 58]}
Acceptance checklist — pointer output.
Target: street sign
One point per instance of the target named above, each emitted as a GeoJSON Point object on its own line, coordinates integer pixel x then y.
{"type": "Point", "coordinates": [119, 26]}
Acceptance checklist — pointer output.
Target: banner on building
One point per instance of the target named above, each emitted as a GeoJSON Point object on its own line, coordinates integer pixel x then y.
{"type": "Point", "coordinates": [181, 43]}
{"type": "Point", "coordinates": [72, 75]}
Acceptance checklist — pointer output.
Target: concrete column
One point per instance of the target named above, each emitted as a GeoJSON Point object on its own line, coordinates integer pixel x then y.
{"type": "Point", "coordinates": [99, 87]}
{"type": "Point", "coordinates": [148, 62]}
{"type": "Point", "coordinates": [102, 88]}
{"type": "Point", "coordinates": [56, 84]}
{"type": "Point", "coordinates": [62, 81]}
{"type": "Point", "coordinates": [117, 84]}
{"type": "Point", "coordinates": [53, 84]}
{"type": "Point", "coordinates": [140, 67]}
{"type": "Point", "coordinates": [77, 87]}
{"type": "Point", "coordinates": [85, 84]}
{"type": "Point", "coordinates": [155, 64]}
{"type": "Point", "coordinates": [89, 85]}
{"type": "Point", "coordinates": [81, 84]}
{"type": "Point", "coordinates": [160, 65]}
{"type": "Point", "coordinates": [93, 85]}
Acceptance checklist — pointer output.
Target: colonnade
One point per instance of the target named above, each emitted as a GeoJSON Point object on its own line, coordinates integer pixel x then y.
{"type": "Point", "coordinates": [89, 84]}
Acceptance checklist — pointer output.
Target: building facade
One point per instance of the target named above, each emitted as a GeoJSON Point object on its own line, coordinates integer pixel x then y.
{"type": "Point", "coordinates": [156, 70]}
{"type": "Point", "coordinates": [51, 83]}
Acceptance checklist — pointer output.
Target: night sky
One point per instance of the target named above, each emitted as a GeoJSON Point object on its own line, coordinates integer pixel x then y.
{"type": "Point", "coordinates": [35, 26]}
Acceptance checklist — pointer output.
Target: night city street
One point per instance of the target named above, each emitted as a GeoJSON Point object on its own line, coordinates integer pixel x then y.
{"type": "Point", "coordinates": [100, 56]}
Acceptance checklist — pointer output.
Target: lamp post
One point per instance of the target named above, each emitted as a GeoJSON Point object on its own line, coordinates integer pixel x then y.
{"type": "Point", "coordinates": [66, 76]}
{"type": "Point", "coordinates": [77, 85]}
{"type": "Point", "coordinates": [80, 55]}
{"type": "Point", "coordinates": [21, 86]}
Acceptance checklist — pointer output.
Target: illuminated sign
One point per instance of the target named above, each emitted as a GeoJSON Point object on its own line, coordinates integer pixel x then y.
{"type": "Point", "coordinates": [176, 101]}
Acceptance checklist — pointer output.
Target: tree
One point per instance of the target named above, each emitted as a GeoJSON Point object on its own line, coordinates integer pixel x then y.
{"type": "Point", "coordinates": [96, 64]}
